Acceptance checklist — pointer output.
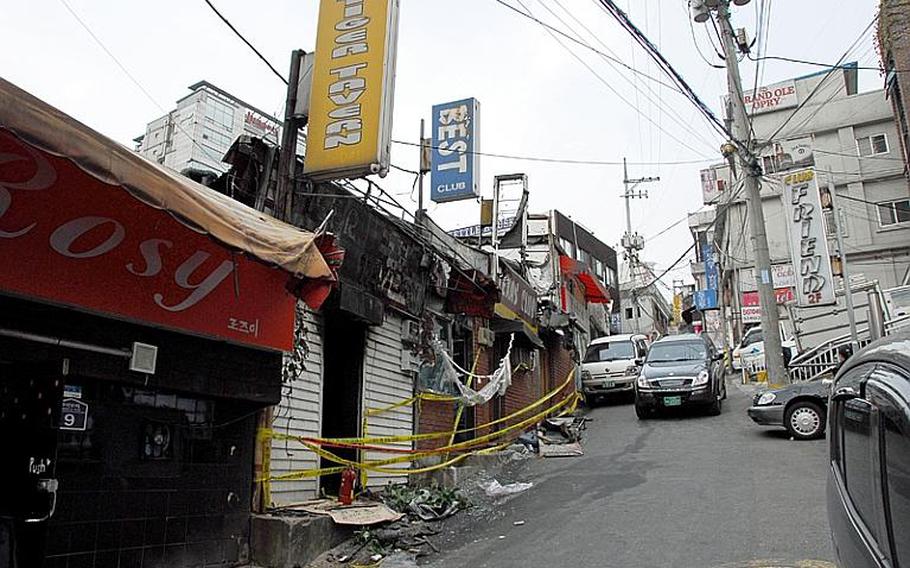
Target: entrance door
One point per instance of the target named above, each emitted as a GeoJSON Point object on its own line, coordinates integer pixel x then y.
{"type": "Point", "coordinates": [342, 387]}
{"type": "Point", "coordinates": [30, 401]}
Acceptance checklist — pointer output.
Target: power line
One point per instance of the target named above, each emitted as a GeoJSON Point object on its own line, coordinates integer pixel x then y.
{"type": "Point", "coordinates": [667, 229]}
{"type": "Point", "coordinates": [250, 45]}
{"type": "Point", "coordinates": [606, 83]}
{"type": "Point", "coordinates": [846, 66]}
{"type": "Point", "coordinates": [856, 156]}
{"type": "Point", "coordinates": [611, 8]}
{"type": "Point", "coordinates": [564, 160]}
{"type": "Point", "coordinates": [586, 46]}
{"type": "Point", "coordinates": [133, 78]}
{"type": "Point", "coordinates": [820, 83]}
{"type": "Point", "coordinates": [649, 98]}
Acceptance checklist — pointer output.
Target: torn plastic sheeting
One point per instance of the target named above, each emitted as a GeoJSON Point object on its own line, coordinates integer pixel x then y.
{"type": "Point", "coordinates": [444, 374]}
{"type": "Point", "coordinates": [495, 489]}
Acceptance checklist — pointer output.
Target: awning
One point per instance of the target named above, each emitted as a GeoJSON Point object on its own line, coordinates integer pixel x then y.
{"type": "Point", "coordinates": [499, 325]}
{"type": "Point", "coordinates": [204, 210]}
{"type": "Point", "coordinates": [91, 225]}
{"type": "Point", "coordinates": [595, 293]}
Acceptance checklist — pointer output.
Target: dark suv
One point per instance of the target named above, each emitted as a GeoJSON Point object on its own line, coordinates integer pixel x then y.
{"type": "Point", "coordinates": [681, 370]}
{"type": "Point", "coordinates": [869, 440]}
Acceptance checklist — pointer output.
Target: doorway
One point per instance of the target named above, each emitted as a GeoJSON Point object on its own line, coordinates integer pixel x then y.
{"type": "Point", "coordinates": [30, 401]}
{"type": "Point", "coordinates": [342, 387]}
{"type": "Point", "coordinates": [463, 355]}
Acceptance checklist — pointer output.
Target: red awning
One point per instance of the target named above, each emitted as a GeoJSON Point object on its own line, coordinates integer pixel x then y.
{"type": "Point", "coordinates": [90, 224]}
{"type": "Point", "coordinates": [595, 293]}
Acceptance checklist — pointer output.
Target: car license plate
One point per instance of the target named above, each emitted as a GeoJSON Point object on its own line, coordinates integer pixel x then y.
{"type": "Point", "coordinates": [672, 401]}
{"type": "Point", "coordinates": [608, 384]}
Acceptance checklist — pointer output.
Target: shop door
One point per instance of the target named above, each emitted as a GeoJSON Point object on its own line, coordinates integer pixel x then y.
{"type": "Point", "coordinates": [30, 403]}
{"type": "Point", "coordinates": [342, 390]}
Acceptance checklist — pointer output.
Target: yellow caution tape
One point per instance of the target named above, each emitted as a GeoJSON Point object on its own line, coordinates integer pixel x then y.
{"type": "Point", "coordinates": [432, 435]}
{"type": "Point", "coordinates": [469, 447]}
{"type": "Point", "coordinates": [376, 465]}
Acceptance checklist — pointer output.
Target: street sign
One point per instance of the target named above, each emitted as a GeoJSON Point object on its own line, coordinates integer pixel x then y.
{"type": "Point", "coordinates": [808, 242]}
{"type": "Point", "coordinates": [455, 170]}
{"type": "Point", "coordinates": [706, 299]}
{"type": "Point", "coordinates": [73, 414]}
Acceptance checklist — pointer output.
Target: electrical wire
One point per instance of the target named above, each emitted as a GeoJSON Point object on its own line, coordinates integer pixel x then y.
{"type": "Point", "coordinates": [822, 82]}
{"type": "Point", "coordinates": [605, 82]}
{"type": "Point", "coordinates": [587, 46]}
{"type": "Point", "coordinates": [611, 8]}
{"type": "Point", "coordinates": [566, 160]}
{"type": "Point", "coordinates": [846, 66]}
{"type": "Point", "coordinates": [648, 97]}
{"type": "Point", "coordinates": [244, 40]}
{"type": "Point", "coordinates": [685, 254]}
{"type": "Point", "coordinates": [135, 81]}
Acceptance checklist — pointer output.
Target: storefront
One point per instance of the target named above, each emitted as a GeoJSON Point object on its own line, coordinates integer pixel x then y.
{"type": "Point", "coordinates": [142, 323]}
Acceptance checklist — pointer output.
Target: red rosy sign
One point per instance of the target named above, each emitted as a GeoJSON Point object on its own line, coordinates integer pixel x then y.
{"type": "Point", "coordinates": [69, 238]}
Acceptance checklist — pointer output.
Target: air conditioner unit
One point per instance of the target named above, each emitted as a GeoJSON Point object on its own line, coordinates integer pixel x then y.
{"type": "Point", "coordinates": [410, 332]}
{"type": "Point", "coordinates": [144, 358]}
{"type": "Point", "coordinates": [485, 336]}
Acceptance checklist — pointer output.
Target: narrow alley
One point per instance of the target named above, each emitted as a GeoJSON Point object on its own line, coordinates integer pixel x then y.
{"type": "Point", "coordinates": [684, 490]}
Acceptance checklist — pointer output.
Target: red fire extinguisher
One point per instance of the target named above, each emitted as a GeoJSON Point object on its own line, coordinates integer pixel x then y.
{"type": "Point", "coordinates": [346, 492]}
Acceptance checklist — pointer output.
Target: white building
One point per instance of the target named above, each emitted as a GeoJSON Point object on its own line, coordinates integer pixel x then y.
{"type": "Point", "coordinates": [649, 310]}
{"type": "Point", "coordinates": [202, 127]}
{"type": "Point", "coordinates": [818, 120]}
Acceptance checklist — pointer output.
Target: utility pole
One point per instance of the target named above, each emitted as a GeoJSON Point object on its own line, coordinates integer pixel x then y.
{"type": "Point", "coordinates": [751, 169]}
{"type": "Point", "coordinates": [845, 272]}
{"type": "Point", "coordinates": [423, 168]}
{"type": "Point", "coordinates": [633, 243]}
{"type": "Point", "coordinates": [287, 158]}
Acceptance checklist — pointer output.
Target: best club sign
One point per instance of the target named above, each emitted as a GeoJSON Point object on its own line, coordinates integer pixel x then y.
{"type": "Point", "coordinates": [455, 171]}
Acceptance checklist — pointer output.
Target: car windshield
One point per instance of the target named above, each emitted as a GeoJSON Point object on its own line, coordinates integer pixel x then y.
{"type": "Point", "coordinates": [752, 337]}
{"type": "Point", "coordinates": [676, 351]}
{"type": "Point", "coordinates": [610, 351]}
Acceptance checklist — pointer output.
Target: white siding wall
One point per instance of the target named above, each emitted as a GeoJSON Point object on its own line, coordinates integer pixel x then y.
{"type": "Point", "coordinates": [299, 414]}
{"type": "Point", "coordinates": [385, 383]}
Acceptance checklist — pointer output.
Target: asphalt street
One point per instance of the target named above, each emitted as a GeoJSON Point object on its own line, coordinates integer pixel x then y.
{"type": "Point", "coordinates": [687, 491]}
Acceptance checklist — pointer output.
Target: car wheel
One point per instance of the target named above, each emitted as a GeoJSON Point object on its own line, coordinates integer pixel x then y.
{"type": "Point", "coordinates": [805, 420]}
{"type": "Point", "coordinates": [590, 400]}
{"type": "Point", "coordinates": [716, 407]}
{"type": "Point", "coordinates": [642, 412]}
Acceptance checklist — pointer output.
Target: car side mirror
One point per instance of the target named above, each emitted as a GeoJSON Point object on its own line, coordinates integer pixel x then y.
{"type": "Point", "coordinates": [844, 393]}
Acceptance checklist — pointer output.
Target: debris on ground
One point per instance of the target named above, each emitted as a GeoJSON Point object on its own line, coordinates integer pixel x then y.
{"type": "Point", "coordinates": [359, 513]}
{"type": "Point", "coordinates": [430, 503]}
{"type": "Point", "coordinates": [569, 450]}
{"type": "Point", "coordinates": [495, 489]}
{"type": "Point", "coordinates": [560, 437]}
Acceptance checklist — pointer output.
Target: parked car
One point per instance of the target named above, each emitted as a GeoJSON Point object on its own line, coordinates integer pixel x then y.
{"type": "Point", "coordinates": [681, 370]}
{"type": "Point", "coordinates": [801, 408]}
{"type": "Point", "coordinates": [611, 365]}
{"type": "Point", "coordinates": [869, 466]}
{"type": "Point", "coordinates": [753, 344]}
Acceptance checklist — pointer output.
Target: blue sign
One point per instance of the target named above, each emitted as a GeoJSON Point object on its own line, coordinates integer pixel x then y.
{"type": "Point", "coordinates": [712, 277]}
{"type": "Point", "coordinates": [706, 299]}
{"type": "Point", "coordinates": [455, 164]}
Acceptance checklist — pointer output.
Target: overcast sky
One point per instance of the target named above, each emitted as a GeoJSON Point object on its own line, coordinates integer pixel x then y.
{"type": "Point", "coordinates": [537, 99]}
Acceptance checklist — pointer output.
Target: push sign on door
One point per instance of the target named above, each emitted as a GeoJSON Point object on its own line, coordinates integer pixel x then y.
{"type": "Point", "coordinates": [455, 162]}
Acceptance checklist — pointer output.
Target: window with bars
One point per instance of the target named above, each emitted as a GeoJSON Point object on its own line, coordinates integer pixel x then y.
{"type": "Point", "coordinates": [872, 145]}
{"type": "Point", "coordinates": [894, 212]}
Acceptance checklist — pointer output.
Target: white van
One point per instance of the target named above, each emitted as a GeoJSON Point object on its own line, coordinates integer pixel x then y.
{"type": "Point", "coordinates": [611, 365]}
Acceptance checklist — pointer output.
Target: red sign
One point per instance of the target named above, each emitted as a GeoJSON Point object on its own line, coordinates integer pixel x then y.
{"type": "Point", "coordinates": [67, 237]}
{"type": "Point", "coordinates": [783, 295]}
